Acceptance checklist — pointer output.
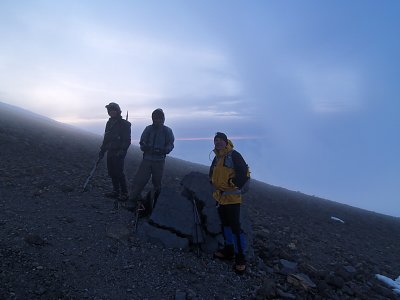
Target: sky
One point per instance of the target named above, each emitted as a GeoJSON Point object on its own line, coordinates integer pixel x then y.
{"type": "Point", "coordinates": [307, 90]}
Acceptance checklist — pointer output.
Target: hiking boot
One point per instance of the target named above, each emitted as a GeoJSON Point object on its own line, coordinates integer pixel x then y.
{"type": "Point", "coordinates": [226, 253]}
{"type": "Point", "coordinates": [147, 204]}
{"type": "Point", "coordinates": [240, 268]}
{"type": "Point", "coordinates": [240, 264]}
{"type": "Point", "coordinates": [123, 197]}
{"type": "Point", "coordinates": [130, 205]}
{"type": "Point", "coordinates": [113, 194]}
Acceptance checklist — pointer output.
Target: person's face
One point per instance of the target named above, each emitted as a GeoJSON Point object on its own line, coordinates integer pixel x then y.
{"type": "Point", "coordinates": [219, 143]}
{"type": "Point", "coordinates": [112, 113]}
{"type": "Point", "coordinates": [158, 121]}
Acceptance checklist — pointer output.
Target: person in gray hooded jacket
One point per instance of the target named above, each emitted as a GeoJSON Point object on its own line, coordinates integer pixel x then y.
{"type": "Point", "coordinates": [156, 141]}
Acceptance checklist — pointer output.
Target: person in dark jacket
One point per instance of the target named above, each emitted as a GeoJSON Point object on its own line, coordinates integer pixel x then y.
{"type": "Point", "coordinates": [156, 141]}
{"type": "Point", "coordinates": [228, 174]}
{"type": "Point", "coordinates": [117, 139]}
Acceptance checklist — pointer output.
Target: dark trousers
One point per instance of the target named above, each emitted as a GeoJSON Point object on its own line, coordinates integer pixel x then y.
{"type": "Point", "coordinates": [230, 223]}
{"type": "Point", "coordinates": [115, 166]}
{"type": "Point", "coordinates": [147, 169]}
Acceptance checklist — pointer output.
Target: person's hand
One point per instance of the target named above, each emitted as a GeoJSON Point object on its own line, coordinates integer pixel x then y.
{"type": "Point", "coordinates": [158, 151]}
{"type": "Point", "coordinates": [145, 148]}
{"type": "Point", "coordinates": [217, 194]}
{"type": "Point", "coordinates": [101, 154]}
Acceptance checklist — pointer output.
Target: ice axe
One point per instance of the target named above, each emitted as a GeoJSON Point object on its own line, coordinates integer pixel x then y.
{"type": "Point", "coordinates": [91, 174]}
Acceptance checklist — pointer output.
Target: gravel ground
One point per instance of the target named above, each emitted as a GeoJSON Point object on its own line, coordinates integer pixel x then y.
{"type": "Point", "coordinates": [59, 243]}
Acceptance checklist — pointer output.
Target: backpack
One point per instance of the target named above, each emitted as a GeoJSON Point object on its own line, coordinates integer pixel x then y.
{"type": "Point", "coordinates": [245, 188]}
{"type": "Point", "coordinates": [229, 163]}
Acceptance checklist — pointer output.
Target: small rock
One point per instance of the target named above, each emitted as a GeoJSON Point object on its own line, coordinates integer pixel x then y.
{"type": "Point", "coordinates": [118, 232]}
{"type": "Point", "coordinates": [311, 270]}
{"type": "Point", "coordinates": [69, 220]}
{"type": "Point", "coordinates": [383, 290]}
{"type": "Point", "coordinates": [34, 239]}
{"type": "Point", "coordinates": [40, 291]}
{"type": "Point", "coordinates": [346, 272]}
{"type": "Point", "coordinates": [335, 281]}
{"type": "Point", "coordinates": [350, 269]}
{"type": "Point", "coordinates": [179, 295]}
{"type": "Point", "coordinates": [285, 295]}
{"type": "Point", "coordinates": [348, 290]}
{"type": "Point", "coordinates": [267, 290]}
{"type": "Point", "coordinates": [301, 280]}
{"type": "Point", "coordinates": [287, 267]}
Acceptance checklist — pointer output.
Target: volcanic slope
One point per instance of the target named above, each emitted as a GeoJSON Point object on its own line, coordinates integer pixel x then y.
{"type": "Point", "coordinates": [59, 243]}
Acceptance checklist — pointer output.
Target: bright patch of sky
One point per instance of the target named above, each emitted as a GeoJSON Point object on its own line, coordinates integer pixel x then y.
{"type": "Point", "coordinates": [314, 84]}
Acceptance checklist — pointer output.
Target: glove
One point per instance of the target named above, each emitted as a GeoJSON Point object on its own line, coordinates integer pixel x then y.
{"type": "Point", "coordinates": [101, 154]}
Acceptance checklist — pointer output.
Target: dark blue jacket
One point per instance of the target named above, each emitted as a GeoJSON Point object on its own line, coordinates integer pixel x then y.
{"type": "Point", "coordinates": [117, 135]}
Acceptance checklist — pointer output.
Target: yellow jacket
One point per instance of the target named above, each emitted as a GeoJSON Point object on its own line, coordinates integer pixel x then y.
{"type": "Point", "coordinates": [221, 177]}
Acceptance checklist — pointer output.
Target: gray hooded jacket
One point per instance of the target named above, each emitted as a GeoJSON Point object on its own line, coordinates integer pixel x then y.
{"type": "Point", "coordinates": [156, 142]}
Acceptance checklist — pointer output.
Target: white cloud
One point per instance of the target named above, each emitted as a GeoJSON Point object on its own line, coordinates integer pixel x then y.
{"type": "Point", "coordinates": [331, 89]}
{"type": "Point", "coordinates": [202, 113]}
{"type": "Point", "coordinates": [170, 67]}
{"type": "Point", "coordinates": [134, 69]}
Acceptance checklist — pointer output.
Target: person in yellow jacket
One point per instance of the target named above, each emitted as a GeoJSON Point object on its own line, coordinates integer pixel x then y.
{"type": "Point", "coordinates": [228, 174]}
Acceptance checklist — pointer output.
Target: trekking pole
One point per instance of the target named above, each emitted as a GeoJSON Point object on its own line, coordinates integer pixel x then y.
{"type": "Point", "coordinates": [196, 231]}
{"type": "Point", "coordinates": [197, 236]}
{"type": "Point", "coordinates": [140, 207]}
{"type": "Point", "coordinates": [91, 174]}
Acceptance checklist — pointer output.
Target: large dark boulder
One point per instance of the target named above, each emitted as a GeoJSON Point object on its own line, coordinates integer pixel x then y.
{"type": "Point", "coordinates": [173, 222]}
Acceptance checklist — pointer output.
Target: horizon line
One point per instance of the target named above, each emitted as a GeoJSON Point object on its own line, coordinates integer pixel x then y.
{"type": "Point", "coordinates": [212, 138]}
